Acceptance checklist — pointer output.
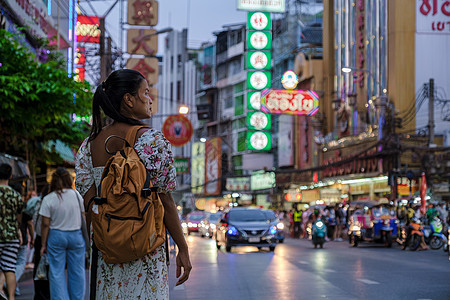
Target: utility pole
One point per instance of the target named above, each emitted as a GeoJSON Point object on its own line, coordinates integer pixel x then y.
{"type": "Point", "coordinates": [431, 112]}
{"type": "Point", "coordinates": [102, 51]}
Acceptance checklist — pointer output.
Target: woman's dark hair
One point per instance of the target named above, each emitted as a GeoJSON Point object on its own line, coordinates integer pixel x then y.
{"type": "Point", "coordinates": [45, 190]}
{"type": "Point", "coordinates": [109, 96]}
{"type": "Point", "coordinates": [61, 179]}
{"type": "Point", "coordinates": [5, 171]}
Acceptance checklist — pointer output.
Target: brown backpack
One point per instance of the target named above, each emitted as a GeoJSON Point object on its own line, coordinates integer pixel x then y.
{"type": "Point", "coordinates": [127, 218]}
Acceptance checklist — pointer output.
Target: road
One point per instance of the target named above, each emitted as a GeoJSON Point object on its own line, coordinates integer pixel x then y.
{"type": "Point", "coordinates": [298, 271]}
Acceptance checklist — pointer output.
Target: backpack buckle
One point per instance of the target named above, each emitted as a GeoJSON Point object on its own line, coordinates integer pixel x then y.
{"type": "Point", "coordinates": [148, 191]}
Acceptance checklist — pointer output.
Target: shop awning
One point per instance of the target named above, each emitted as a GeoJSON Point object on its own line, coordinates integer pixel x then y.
{"type": "Point", "coordinates": [20, 167]}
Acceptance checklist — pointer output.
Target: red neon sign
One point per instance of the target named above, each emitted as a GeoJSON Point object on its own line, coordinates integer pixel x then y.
{"type": "Point", "coordinates": [293, 102]}
{"type": "Point", "coordinates": [87, 29]}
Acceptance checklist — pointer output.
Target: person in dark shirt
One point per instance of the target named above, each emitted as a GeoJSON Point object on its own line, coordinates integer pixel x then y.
{"type": "Point", "coordinates": [10, 238]}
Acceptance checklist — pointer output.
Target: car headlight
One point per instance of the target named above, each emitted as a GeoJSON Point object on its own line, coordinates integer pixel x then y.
{"type": "Point", "coordinates": [280, 226]}
{"type": "Point", "coordinates": [272, 230]}
{"type": "Point", "coordinates": [213, 226]}
{"type": "Point", "coordinates": [184, 225]}
{"type": "Point", "coordinates": [194, 225]}
{"type": "Point", "coordinates": [233, 231]}
{"type": "Point", "coordinates": [355, 228]}
{"type": "Point", "coordinates": [189, 224]}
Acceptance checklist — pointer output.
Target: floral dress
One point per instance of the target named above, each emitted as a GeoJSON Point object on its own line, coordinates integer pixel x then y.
{"type": "Point", "coordinates": [144, 278]}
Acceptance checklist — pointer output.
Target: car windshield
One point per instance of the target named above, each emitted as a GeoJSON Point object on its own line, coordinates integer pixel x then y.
{"type": "Point", "coordinates": [270, 215]}
{"type": "Point", "coordinates": [213, 218]}
{"type": "Point", "coordinates": [247, 216]}
{"type": "Point", "coordinates": [195, 217]}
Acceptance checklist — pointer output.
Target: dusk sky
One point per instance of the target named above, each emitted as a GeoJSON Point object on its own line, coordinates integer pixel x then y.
{"type": "Point", "coordinates": [206, 16]}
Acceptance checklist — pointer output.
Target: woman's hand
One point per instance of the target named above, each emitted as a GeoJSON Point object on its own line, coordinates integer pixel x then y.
{"type": "Point", "coordinates": [184, 262]}
{"type": "Point", "coordinates": [43, 250]}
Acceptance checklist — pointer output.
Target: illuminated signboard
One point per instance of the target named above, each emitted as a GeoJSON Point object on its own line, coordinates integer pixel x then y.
{"type": "Point", "coordinates": [262, 180]}
{"type": "Point", "coordinates": [87, 29]}
{"type": "Point", "coordinates": [259, 140]}
{"type": "Point", "coordinates": [259, 60]}
{"type": "Point", "coordinates": [258, 80]}
{"type": "Point", "coordinates": [259, 121]}
{"type": "Point", "coordinates": [259, 21]}
{"type": "Point", "coordinates": [262, 5]}
{"type": "Point", "coordinates": [182, 165]}
{"type": "Point", "coordinates": [254, 100]}
{"type": "Point", "coordinates": [294, 102]}
{"type": "Point", "coordinates": [259, 40]}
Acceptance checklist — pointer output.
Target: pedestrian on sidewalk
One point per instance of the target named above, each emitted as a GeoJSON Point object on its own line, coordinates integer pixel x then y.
{"type": "Point", "coordinates": [27, 231]}
{"type": "Point", "coordinates": [41, 287]}
{"type": "Point", "coordinates": [11, 206]}
{"type": "Point", "coordinates": [125, 98]}
{"type": "Point", "coordinates": [62, 239]}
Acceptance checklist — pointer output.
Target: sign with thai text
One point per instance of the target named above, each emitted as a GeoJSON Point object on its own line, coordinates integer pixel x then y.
{"type": "Point", "coordinates": [213, 166]}
{"type": "Point", "coordinates": [182, 165]}
{"type": "Point", "coordinates": [262, 5]}
{"type": "Point", "coordinates": [294, 102]}
{"type": "Point", "coordinates": [262, 180]}
{"type": "Point", "coordinates": [142, 12]}
{"type": "Point", "coordinates": [433, 16]}
{"type": "Point", "coordinates": [148, 67]}
{"type": "Point", "coordinates": [87, 29]}
{"type": "Point", "coordinates": [33, 15]}
{"type": "Point", "coordinates": [238, 184]}
{"type": "Point", "coordinates": [198, 168]}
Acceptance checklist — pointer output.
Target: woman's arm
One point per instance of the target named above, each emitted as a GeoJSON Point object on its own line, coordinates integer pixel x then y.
{"type": "Point", "coordinates": [45, 226]}
{"type": "Point", "coordinates": [173, 225]}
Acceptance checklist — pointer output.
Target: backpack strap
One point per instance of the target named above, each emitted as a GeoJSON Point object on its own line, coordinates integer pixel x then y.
{"type": "Point", "coordinates": [132, 134]}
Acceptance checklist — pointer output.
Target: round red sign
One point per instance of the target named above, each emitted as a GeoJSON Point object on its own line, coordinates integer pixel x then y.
{"type": "Point", "coordinates": [178, 130]}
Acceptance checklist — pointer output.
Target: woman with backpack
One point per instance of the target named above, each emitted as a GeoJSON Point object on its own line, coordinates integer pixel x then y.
{"type": "Point", "coordinates": [62, 238]}
{"type": "Point", "coordinates": [125, 98]}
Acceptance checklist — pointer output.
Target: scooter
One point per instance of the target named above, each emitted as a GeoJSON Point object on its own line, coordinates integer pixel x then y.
{"type": "Point", "coordinates": [414, 235]}
{"type": "Point", "coordinates": [437, 238]}
{"type": "Point", "coordinates": [318, 232]}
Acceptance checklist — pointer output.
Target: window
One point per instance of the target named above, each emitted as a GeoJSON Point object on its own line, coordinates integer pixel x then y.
{"type": "Point", "coordinates": [239, 105]}
{"type": "Point", "coordinates": [242, 141]}
{"type": "Point", "coordinates": [222, 72]}
{"type": "Point", "coordinates": [179, 91]}
{"type": "Point", "coordinates": [171, 91]}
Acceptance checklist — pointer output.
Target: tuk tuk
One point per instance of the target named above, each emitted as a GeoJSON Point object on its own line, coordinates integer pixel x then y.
{"type": "Point", "coordinates": [372, 222]}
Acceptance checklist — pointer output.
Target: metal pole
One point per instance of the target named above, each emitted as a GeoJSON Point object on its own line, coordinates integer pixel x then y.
{"type": "Point", "coordinates": [431, 112]}
{"type": "Point", "coordinates": [102, 50]}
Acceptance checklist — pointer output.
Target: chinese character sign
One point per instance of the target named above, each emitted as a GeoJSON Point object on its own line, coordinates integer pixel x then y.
{"type": "Point", "coordinates": [142, 12]}
{"type": "Point", "coordinates": [142, 41]}
{"type": "Point", "coordinates": [259, 21]}
{"type": "Point", "coordinates": [148, 67]}
{"type": "Point", "coordinates": [259, 40]}
{"type": "Point", "coordinates": [259, 60]}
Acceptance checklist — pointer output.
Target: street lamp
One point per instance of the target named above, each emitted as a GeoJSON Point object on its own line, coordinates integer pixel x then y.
{"type": "Point", "coordinates": [183, 110]}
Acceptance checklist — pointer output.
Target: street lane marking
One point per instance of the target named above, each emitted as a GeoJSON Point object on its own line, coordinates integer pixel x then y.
{"type": "Point", "coordinates": [178, 287]}
{"type": "Point", "coordinates": [303, 262]}
{"type": "Point", "coordinates": [367, 281]}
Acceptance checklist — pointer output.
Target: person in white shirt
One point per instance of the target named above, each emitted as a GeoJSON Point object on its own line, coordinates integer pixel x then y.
{"type": "Point", "coordinates": [62, 238]}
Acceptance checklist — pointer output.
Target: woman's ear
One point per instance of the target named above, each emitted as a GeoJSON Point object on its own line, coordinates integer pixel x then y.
{"type": "Point", "coordinates": [128, 100]}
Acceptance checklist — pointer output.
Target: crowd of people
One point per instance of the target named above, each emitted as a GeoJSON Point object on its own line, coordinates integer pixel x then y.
{"type": "Point", "coordinates": [336, 218]}
{"type": "Point", "coordinates": [55, 224]}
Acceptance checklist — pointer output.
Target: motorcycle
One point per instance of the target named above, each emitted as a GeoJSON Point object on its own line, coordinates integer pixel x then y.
{"type": "Point", "coordinates": [318, 233]}
{"type": "Point", "coordinates": [414, 235]}
{"type": "Point", "coordinates": [436, 239]}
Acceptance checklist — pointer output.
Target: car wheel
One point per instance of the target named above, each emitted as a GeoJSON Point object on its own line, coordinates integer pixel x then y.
{"type": "Point", "coordinates": [388, 240]}
{"type": "Point", "coordinates": [228, 248]}
{"type": "Point", "coordinates": [281, 241]}
{"type": "Point", "coordinates": [272, 248]}
{"type": "Point", "coordinates": [436, 243]}
{"type": "Point", "coordinates": [202, 235]}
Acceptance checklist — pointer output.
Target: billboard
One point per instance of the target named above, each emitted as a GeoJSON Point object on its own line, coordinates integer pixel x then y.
{"type": "Point", "coordinates": [262, 5]}
{"type": "Point", "coordinates": [294, 102]}
{"type": "Point", "coordinates": [285, 141]}
{"type": "Point", "coordinates": [142, 41]}
{"type": "Point", "coordinates": [198, 168]}
{"type": "Point", "coordinates": [87, 29]}
{"type": "Point", "coordinates": [262, 180]}
{"type": "Point", "coordinates": [177, 129]}
{"type": "Point", "coordinates": [213, 166]}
